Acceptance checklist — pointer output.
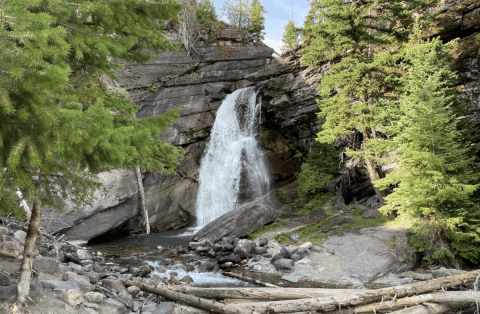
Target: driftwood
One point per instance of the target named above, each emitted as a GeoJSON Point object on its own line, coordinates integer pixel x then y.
{"type": "Point", "coordinates": [436, 297]}
{"type": "Point", "coordinates": [197, 302]}
{"type": "Point", "coordinates": [245, 278]}
{"type": "Point", "coordinates": [264, 293]}
{"type": "Point", "coordinates": [142, 198]}
{"type": "Point", "coordinates": [355, 299]}
{"type": "Point", "coordinates": [319, 300]}
{"type": "Point", "coordinates": [432, 308]}
{"type": "Point", "coordinates": [307, 225]}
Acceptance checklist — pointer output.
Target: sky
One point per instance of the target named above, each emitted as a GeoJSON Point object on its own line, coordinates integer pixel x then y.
{"type": "Point", "coordinates": [279, 13]}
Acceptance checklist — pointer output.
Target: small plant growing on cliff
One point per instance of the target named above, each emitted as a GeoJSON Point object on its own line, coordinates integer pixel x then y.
{"type": "Point", "coordinates": [212, 35]}
{"type": "Point", "coordinates": [245, 39]}
{"type": "Point", "coordinates": [206, 12]}
{"type": "Point", "coordinates": [434, 181]}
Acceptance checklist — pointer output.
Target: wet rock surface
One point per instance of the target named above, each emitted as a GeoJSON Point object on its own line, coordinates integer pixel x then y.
{"type": "Point", "coordinates": [238, 223]}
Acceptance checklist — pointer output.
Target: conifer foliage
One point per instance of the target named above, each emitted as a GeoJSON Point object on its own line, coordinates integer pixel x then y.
{"type": "Point", "coordinates": [434, 182]}
{"type": "Point", "coordinates": [291, 37]}
{"type": "Point", "coordinates": [59, 122]}
{"type": "Point", "coordinates": [358, 93]}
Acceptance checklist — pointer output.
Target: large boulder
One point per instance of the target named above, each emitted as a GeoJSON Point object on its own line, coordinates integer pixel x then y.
{"type": "Point", "coordinates": [238, 223]}
{"type": "Point", "coordinates": [372, 253]}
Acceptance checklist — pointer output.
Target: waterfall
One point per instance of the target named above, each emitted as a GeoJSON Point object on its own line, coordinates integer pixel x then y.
{"type": "Point", "coordinates": [233, 163]}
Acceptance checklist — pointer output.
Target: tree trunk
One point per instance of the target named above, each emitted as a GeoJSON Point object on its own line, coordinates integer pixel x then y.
{"type": "Point", "coordinates": [264, 293]}
{"type": "Point", "coordinates": [436, 297]}
{"type": "Point", "coordinates": [357, 298]}
{"type": "Point", "coordinates": [23, 288]}
{"type": "Point", "coordinates": [142, 198]}
{"type": "Point", "coordinates": [241, 277]}
{"type": "Point", "coordinates": [200, 303]}
{"type": "Point", "coordinates": [374, 173]}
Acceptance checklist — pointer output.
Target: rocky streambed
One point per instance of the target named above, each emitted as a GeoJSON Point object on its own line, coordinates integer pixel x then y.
{"type": "Point", "coordinates": [69, 278]}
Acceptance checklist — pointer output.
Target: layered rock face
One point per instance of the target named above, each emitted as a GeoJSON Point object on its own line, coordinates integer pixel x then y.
{"type": "Point", "coordinates": [196, 82]}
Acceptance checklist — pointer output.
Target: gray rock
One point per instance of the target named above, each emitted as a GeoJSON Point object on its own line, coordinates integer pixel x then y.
{"type": "Point", "coordinates": [6, 280]}
{"type": "Point", "coordinates": [245, 248]}
{"type": "Point", "coordinates": [113, 284]}
{"type": "Point", "coordinates": [7, 292]}
{"type": "Point", "coordinates": [82, 281]}
{"type": "Point", "coordinates": [84, 254]}
{"type": "Point", "coordinates": [284, 264]}
{"type": "Point", "coordinates": [119, 307]}
{"type": "Point", "coordinates": [20, 235]}
{"type": "Point", "coordinates": [125, 296]}
{"type": "Point", "coordinates": [367, 254]}
{"type": "Point", "coordinates": [10, 249]}
{"type": "Point", "coordinates": [187, 280]}
{"type": "Point", "coordinates": [246, 218]}
{"type": "Point", "coordinates": [73, 297]}
{"type": "Point", "coordinates": [306, 245]}
{"type": "Point", "coordinates": [290, 279]}
{"type": "Point", "coordinates": [299, 254]}
{"type": "Point", "coordinates": [64, 306]}
{"type": "Point", "coordinates": [94, 297]}
{"type": "Point", "coordinates": [149, 307]}
{"type": "Point", "coordinates": [372, 202]}
{"type": "Point", "coordinates": [288, 251]}
{"type": "Point", "coordinates": [45, 264]}
{"type": "Point", "coordinates": [262, 241]}
{"type": "Point", "coordinates": [445, 272]}
{"type": "Point", "coordinates": [303, 274]}
{"type": "Point", "coordinates": [87, 310]}
{"type": "Point", "coordinates": [133, 290]}
{"type": "Point", "coordinates": [276, 257]}
{"type": "Point", "coordinates": [234, 258]}
{"type": "Point", "coordinates": [294, 237]}
{"type": "Point", "coordinates": [260, 250]}
{"type": "Point", "coordinates": [165, 308]}
{"type": "Point", "coordinates": [194, 245]}
{"type": "Point", "coordinates": [226, 265]}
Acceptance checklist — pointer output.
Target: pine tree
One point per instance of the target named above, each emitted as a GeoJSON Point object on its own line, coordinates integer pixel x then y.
{"type": "Point", "coordinates": [59, 123]}
{"type": "Point", "coordinates": [257, 19]}
{"type": "Point", "coordinates": [291, 36]}
{"type": "Point", "coordinates": [434, 182]}
{"type": "Point", "coordinates": [358, 94]}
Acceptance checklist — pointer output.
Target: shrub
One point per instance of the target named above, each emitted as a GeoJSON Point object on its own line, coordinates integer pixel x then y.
{"type": "Point", "coordinates": [206, 12]}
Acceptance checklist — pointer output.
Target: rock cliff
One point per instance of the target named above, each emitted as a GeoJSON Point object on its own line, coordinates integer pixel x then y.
{"type": "Point", "coordinates": [196, 82]}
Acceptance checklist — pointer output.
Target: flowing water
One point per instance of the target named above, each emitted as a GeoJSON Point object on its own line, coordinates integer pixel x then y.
{"type": "Point", "coordinates": [233, 164]}
{"type": "Point", "coordinates": [233, 170]}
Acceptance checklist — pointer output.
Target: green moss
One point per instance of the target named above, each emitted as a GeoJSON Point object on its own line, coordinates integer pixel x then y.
{"type": "Point", "coordinates": [259, 232]}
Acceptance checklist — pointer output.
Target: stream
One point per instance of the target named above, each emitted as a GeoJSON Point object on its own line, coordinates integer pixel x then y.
{"type": "Point", "coordinates": [135, 251]}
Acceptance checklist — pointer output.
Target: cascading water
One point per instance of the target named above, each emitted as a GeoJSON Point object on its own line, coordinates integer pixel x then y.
{"type": "Point", "coordinates": [233, 159]}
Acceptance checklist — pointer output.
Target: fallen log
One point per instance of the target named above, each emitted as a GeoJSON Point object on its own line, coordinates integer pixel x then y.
{"type": "Point", "coordinates": [264, 293]}
{"type": "Point", "coordinates": [432, 308]}
{"type": "Point", "coordinates": [436, 297]}
{"type": "Point", "coordinates": [197, 302]}
{"type": "Point", "coordinates": [307, 225]}
{"type": "Point", "coordinates": [359, 298]}
{"type": "Point", "coordinates": [245, 278]}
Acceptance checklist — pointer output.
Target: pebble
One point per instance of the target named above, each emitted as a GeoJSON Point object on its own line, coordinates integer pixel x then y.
{"type": "Point", "coordinates": [290, 279]}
